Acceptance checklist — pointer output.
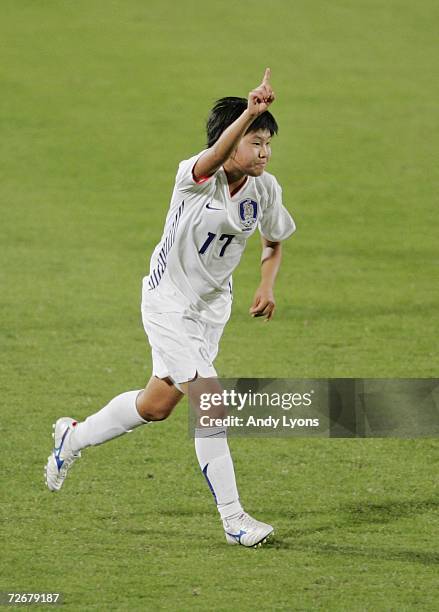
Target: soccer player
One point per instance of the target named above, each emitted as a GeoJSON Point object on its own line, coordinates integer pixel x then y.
{"type": "Point", "coordinates": [221, 195]}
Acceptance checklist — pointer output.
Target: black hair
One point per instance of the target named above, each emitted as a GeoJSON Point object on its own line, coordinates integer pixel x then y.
{"type": "Point", "coordinates": [227, 110]}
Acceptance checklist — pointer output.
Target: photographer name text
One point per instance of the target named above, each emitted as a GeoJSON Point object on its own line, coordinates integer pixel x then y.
{"type": "Point", "coordinates": [252, 421]}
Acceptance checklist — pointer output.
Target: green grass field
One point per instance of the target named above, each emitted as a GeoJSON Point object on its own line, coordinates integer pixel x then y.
{"type": "Point", "coordinates": [99, 102]}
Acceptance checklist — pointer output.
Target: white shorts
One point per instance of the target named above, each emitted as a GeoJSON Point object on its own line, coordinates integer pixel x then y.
{"type": "Point", "coordinates": [182, 346]}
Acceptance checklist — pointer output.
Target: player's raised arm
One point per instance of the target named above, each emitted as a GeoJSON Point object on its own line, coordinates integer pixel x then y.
{"type": "Point", "coordinates": [259, 100]}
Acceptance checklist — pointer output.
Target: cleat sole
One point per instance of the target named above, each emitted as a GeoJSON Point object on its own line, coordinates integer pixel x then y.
{"type": "Point", "coordinates": [264, 541]}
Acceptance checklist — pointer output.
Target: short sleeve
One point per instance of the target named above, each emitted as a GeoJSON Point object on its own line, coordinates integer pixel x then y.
{"type": "Point", "coordinates": [184, 180]}
{"type": "Point", "coordinates": [275, 223]}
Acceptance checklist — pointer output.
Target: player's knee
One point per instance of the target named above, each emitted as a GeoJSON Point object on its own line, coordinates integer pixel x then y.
{"type": "Point", "coordinates": [158, 414]}
{"type": "Point", "coordinates": [153, 412]}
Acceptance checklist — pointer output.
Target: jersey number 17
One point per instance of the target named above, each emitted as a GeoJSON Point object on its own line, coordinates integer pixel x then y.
{"type": "Point", "coordinates": [210, 236]}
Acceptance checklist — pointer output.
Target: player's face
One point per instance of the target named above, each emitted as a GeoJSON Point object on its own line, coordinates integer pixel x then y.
{"type": "Point", "coordinates": [253, 152]}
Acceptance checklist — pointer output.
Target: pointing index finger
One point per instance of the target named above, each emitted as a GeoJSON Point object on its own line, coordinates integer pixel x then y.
{"type": "Point", "coordinates": [267, 75]}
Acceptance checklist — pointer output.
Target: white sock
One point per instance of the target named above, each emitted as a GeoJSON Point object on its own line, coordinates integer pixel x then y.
{"type": "Point", "coordinates": [217, 466]}
{"type": "Point", "coordinates": [116, 418]}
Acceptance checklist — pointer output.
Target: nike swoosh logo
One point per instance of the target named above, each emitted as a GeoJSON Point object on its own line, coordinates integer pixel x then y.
{"type": "Point", "coordinates": [57, 451]}
{"type": "Point", "coordinates": [237, 536]}
{"type": "Point", "coordinates": [212, 207]}
{"type": "Point", "coordinates": [218, 432]}
{"type": "Point", "coordinates": [59, 462]}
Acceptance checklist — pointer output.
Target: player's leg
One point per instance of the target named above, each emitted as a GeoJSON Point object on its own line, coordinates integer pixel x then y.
{"type": "Point", "coordinates": [216, 464]}
{"type": "Point", "coordinates": [211, 446]}
{"type": "Point", "coordinates": [126, 412]}
{"type": "Point", "coordinates": [122, 414]}
{"type": "Point", "coordinates": [158, 399]}
{"type": "Point", "coordinates": [212, 449]}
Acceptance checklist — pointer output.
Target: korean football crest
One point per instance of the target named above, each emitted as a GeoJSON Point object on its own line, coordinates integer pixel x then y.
{"type": "Point", "coordinates": [248, 213]}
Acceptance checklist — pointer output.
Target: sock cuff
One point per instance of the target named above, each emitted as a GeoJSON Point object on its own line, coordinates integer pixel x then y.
{"type": "Point", "coordinates": [230, 510]}
{"type": "Point", "coordinates": [142, 420]}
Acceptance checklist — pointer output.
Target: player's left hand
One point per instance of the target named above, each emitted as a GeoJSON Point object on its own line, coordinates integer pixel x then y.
{"type": "Point", "coordinates": [263, 303]}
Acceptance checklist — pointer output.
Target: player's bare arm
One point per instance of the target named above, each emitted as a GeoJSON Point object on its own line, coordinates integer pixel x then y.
{"type": "Point", "coordinates": [259, 100]}
{"type": "Point", "coordinates": [263, 302]}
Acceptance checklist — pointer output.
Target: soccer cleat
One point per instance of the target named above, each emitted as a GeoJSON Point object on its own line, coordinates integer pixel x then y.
{"type": "Point", "coordinates": [62, 457]}
{"type": "Point", "coordinates": [245, 530]}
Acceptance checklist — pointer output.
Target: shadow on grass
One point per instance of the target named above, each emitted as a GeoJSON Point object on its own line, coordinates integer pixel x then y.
{"type": "Point", "coordinates": [378, 554]}
{"type": "Point", "coordinates": [357, 516]}
{"type": "Point", "coordinates": [362, 513]}
{"type": "Point", "coordinates": [386, 512]}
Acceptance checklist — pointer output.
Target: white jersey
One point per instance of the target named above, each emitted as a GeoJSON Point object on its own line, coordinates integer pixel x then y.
{"type": "Point", "coordinates": [205, 234]}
